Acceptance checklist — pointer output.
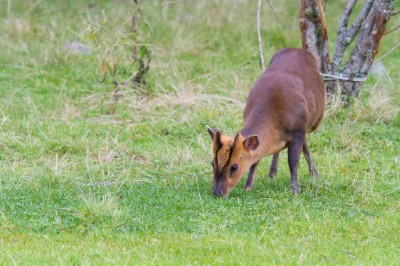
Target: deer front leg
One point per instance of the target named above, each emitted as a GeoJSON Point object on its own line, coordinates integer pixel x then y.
{"type": "Point", "coordinates": [274, 165]}
{"type": "Point", "coordinates": [250, 178]}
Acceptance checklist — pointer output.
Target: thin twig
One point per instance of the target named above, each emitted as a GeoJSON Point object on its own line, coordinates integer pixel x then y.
{"type": "Point", "coordinates": [392, 30]}
{"type": "Point", "coordinates": [273, 10]}
{"type": "Point", "coordinates": [387, 53]}
{"type": "Point", "coordinates": [340, 77]}
{"type": "Point", "coordinates": [259, 37]}
{"type": "Point", "coordinates": [395, 13]}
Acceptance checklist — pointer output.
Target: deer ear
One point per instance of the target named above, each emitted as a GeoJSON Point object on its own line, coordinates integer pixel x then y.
{"type": "Point", "coordinates": [251, 143]}
{"type": "Point", "coordinates": [215, 135]}
{"type": "Point", "coordinates": [212, 132]}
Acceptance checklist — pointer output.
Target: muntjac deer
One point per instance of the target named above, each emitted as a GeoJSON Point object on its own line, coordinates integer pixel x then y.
{"type": "Point", "coordinates": [287, 102]}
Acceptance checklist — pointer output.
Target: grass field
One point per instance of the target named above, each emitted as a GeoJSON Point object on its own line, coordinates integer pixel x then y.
{"type": "Point", "coordinates": [87, 180]}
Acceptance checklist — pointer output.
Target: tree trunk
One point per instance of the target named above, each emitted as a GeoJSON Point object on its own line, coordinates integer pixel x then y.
{"type": "Point", "coordinates": [314, 32]}
{"type": "Point", "coordinates": [368, 29]}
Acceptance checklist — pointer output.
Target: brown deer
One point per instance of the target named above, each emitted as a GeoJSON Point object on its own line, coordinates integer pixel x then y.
{"type": "Point", "coordinates": [287, 102]}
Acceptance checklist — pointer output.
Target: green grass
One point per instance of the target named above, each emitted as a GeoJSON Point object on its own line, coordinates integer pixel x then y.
{"type": "Point", "coordinates": [86, 180]}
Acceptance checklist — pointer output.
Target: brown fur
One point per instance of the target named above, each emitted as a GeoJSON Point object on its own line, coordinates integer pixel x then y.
{"type": "Point", "coordinates": [287, 102]}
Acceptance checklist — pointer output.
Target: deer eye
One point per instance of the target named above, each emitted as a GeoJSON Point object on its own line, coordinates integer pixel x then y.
{"type": "Point", "coordinates": [234, 168]}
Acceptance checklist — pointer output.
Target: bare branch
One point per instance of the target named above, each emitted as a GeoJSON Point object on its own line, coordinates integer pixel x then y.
{"type": "Point", "coordinates": [392, 30]}
{"type": "Point", "coordinates": [273, 9]}
{"type": "Point", "coordinates": [367, 28]}
{"type": "Point", "coordinates": [367, 45]}
{"type": "Point", "coordinates": [346, 14]}
{"type": "Point", "coordinates": [345, 36]}
{"type": "Point", "coordinates": [341, 40]}
{"type": "Point", "coordinates": [388, 52]}
{"type": "Point", "coordinates": [259, 37]}
{"type": "Point", "coordinates": [360, 19]}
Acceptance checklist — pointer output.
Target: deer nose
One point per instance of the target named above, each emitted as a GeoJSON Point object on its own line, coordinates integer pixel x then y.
{"type": "Point", "coordinates": [217, 193]}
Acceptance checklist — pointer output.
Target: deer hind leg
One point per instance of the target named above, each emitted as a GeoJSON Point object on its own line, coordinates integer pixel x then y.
{"type": "Point", "coordinates": [250, 179]}
{"type": "Point", "coordinates": [311, 165]}
{"type": "Point", "coordinates": [274, 165]}
{"type": "Point", "coordinates": [295, 147]}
